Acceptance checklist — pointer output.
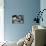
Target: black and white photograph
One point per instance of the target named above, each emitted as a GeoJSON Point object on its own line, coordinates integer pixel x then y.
{"type": "Point", "coordinates": [17, 19]}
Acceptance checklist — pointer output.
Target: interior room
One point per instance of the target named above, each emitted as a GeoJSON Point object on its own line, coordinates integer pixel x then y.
{"type": "Point", "coordinates": [22, 22]}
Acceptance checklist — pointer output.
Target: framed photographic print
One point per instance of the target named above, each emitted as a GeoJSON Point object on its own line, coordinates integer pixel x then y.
{"type": "Point", "coordinates": [17, 19]}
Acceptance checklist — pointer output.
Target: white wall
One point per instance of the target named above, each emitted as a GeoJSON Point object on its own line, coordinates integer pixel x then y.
{"type": "Point", "coordinates": [1, 20]}
{"type": "Point", "coordinates": [43, 6]}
